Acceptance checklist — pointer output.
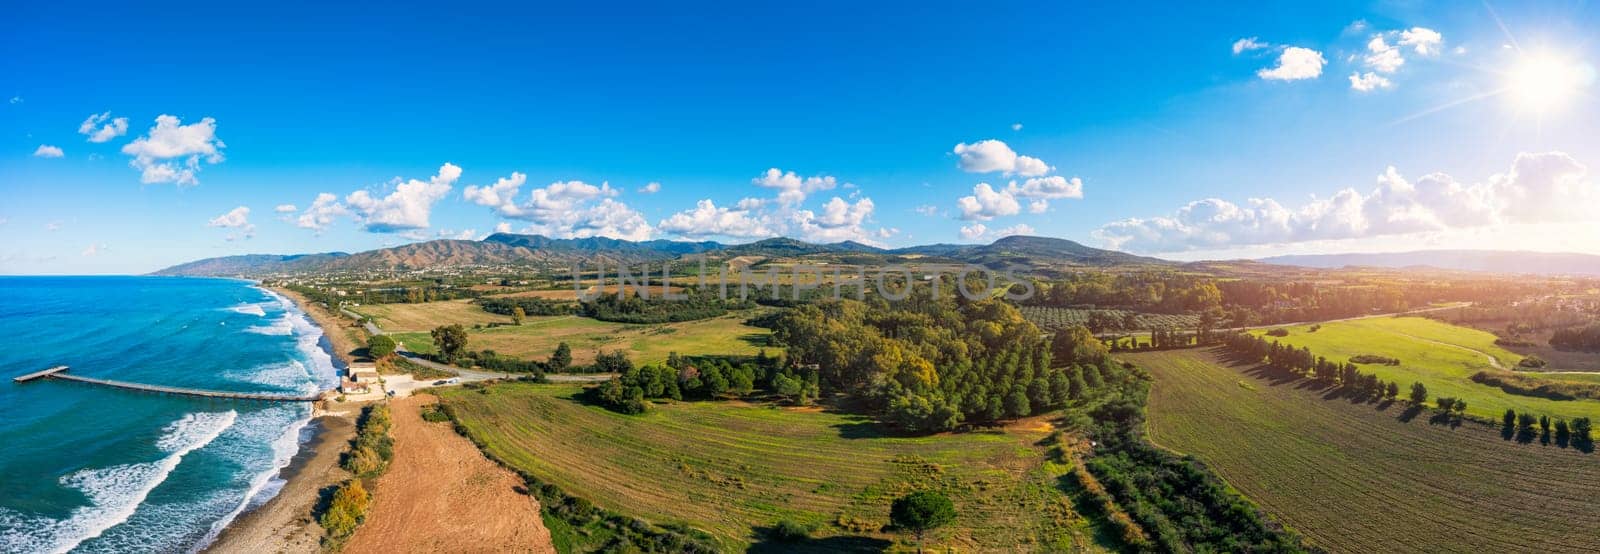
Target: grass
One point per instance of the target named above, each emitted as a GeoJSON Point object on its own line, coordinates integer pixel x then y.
{"type": "Point", "coordinates": [1357, 478]}
{"type": "Point", "coordinates": [645, 343]}
{"type": "Point", "coordinates": [732, 468]}
{"type": "Point", "coordinates": [1441, 356]}
{"type": "Point", "coordinates": [423, 316]}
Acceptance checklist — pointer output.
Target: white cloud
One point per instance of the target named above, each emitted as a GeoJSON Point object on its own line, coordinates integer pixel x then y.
{"type": "Point", "coordinates": [929, 210]}
{"type": "Point", "coordinates": [1368, 82]}
{"type": "Point", "coordinates": [284, 208]}
{"type": "Point", "coordinates": [979, 231]}
{"type": "Point", "coordinates": [840, 220]}
{"type": "Point", "coordinates": [47, 151]}
{"type": "Point", "coordinates": [1295, 63]}
{"type": "Point", "coordinates": [1539, 188]}
{"type": "Point", "coordinates": [53, 226]}
{"type": "Point", "coordinates": [985, 203]}
{"type": "Point", "coordinates": [465, 234]}
{"type": "Point", "coordinates": [407, 207]}
{"type": "Point", "coordinates": [1246, 44]}
{"type": "Point", "coordinates": [502, 227]}
{"type": "Point", "coordinates": [1382, 57]}
{"type": "Point", "coordinates": [563, 209]}
{"type": "Point", "coordinates": [235, 218]}
{"type": "Point", "coordinates": [987, 156]}
{"type": "Point", "coordinates": [1425, 41]}
{"type": "Point", "coordinates": [651, 187]}
{"type": "Point", "coordinates": [1054, 187]}
{"type": "Point", "coordinates": [93, 250]}
{"type": "Point", "coordinates": [501, 195]}
{"type": "Point", "coordinates": [321, 212]}
{"type": "Point", "coordinates": [707, 220]}
{"type": "Point", "coordinates": [101, 127]}
{"type": "Point", "coordinates": [16, 100]}
{"type": "Point", "coordinates": [171, 152]}
{"type": "Point", "coordinates": [792, 189]}
{"type": "Point", "coordinates": [1016, 126]}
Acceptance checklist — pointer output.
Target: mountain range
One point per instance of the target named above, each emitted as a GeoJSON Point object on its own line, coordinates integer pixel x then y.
{"type": "Point", "coordinates": [516, 249]}
{"type": "Point", "coordinates": [1497, 261]}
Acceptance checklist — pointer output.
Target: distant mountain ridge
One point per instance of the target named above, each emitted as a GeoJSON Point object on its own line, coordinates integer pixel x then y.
{"type": "Point", "coordinates": [1497, 261]}
{"type": "Point", "coordinates": [508, 248]}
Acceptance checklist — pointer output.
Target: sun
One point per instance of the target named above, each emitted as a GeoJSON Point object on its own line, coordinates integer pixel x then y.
{"type": "Point", "coordinates": [1543, 82]}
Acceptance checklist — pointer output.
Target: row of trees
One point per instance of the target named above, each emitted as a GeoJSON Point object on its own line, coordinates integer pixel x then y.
{"type": "Point", "coordinates": [368, 457]}
{"type": "Point", "coordinates": [1586, 338]}
{"type": "Point", "coordinates": [1176, 503]}
{"type": "Point", "coordinates": [1577, 434]}
{"type": "Point", "coordinates": [1301, 361]}
{"type": "Point", "coordinates": [699, 378]}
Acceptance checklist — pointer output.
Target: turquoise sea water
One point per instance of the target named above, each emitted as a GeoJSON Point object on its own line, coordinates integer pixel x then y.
{"type": "Point", "coordinates": [94, 469]}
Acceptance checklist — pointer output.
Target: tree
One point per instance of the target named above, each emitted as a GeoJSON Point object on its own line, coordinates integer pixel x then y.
{"type": "Point", "coordinates": [1076, 344]}
{"type": "Point", "coordinates": [1392, 391]}
{"type": "Point", "coordinates": [380, 346]}
{"type": "Point", "coordinates": [1510, 418]}
{"type": "Point", "coordinates": [561, 359]}
{"type": "Point", "coordinates": [451, 340]}
{"type": "Point", "coordinates": [518, 314]}
{"type": "Point", "coordinates": [1419, 393]}
{"type": "Point", "coordinates": [922, 511]}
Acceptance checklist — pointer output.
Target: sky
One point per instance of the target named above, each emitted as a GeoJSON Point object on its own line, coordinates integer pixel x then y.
{"type": "Point", "coordinates": [136, 136]}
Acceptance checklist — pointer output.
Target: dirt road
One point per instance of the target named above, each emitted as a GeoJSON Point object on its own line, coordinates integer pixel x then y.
{"type": "Point", "coordinates": [441, 495]}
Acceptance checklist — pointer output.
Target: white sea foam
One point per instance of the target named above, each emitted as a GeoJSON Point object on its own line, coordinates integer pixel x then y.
{"type": "Point", "coordinates": [279, 326]}
{"type": "Point", "coordinates": [114, 493]}
{"type": "Point", "coordinates": [248, 309]}
{"type": "Point", "coordinates": [264, 485]}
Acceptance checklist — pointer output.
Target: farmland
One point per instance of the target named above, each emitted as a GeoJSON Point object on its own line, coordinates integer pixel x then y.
{"type": "Point", "coordinates": [1052, 318]}
{"type": "Point", "coordinates": [729, 468]}
{"type": "Point", "coordinates": [422, 316]}
{"type": "Point", "coordinates": [645, 343]}
{"type": "Point", "coordinates": [1358, 477]}
{"type": "Point", "coordinates": [1439, 355]}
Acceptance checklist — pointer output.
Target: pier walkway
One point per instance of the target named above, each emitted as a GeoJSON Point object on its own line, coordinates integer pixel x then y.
{"type": "Point", "coordinates": [60, 372]}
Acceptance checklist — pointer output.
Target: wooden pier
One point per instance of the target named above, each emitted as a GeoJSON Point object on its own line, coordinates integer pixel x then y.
{"type": "Point", "coordinates": [60, 372]}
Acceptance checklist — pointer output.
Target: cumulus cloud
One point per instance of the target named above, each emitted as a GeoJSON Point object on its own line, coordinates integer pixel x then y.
{"type": "Point", "coordinates": [839, 220]}
{"type": "Point", "coordinates": [101, 127]}
{"type": "Point", "coordinates": [1383, 57]}
{"type": "Point", "coordinates": [707, 220]}
{"type": "Point", "coordinates": [986, 203]}
{"type": "Point", "coordinates": [47, 151]}
{"type": "Point", "coordinates": [979, 231]}
{"type": "Point", "coordinates": [1423, 40]}
{"type": "Point", "coordinates": [988, 156]}
{"type": "Point", "coordinates": [172, 151]}
{"type": "Point", "coordinates": [237, 218]}
{"type": "Point", "coordinates": [792, 189]}
{"type": "Point", "coordinates": [407, 206]}
{"type": "Point", "coordinates": [1368, 82]}
{"type": "Point", "coordinates": [651, 187]}
{"type": "Point", "coordinates": [284, 208]}
{"type": "Point", "coordinates": [502, 227]}
{"type": "Point", "coordinates": [321, 213]}
{"type": "Point", "coordinates": [1247, 44]}
{"type": "Point", "coordinates": [1295, 63]}
{"type": "Point", "coordinates": [564, 209]}
{"type": "Point", "coordinates": [1539, 188]}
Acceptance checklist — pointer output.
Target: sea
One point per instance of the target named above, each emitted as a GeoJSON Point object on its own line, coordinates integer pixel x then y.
{"type": "Point", "coordinates": [87, 468]}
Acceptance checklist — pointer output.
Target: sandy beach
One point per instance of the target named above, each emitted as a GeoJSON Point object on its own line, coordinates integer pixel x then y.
{"type": "Point", "coordinates": [284, 524]}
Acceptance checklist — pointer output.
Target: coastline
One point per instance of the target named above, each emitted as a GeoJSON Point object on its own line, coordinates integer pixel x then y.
{"type": "Point", "coordinates": [284, 523]}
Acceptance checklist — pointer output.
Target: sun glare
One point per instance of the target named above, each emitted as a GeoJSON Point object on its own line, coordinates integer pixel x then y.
{"type": "Point", "coordinates": [1541, 83]}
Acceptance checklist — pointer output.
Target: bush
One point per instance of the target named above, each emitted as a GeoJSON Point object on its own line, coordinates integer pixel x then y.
{"type": "Point", "coordinates": [1279, 332]}
{"type": "Point", "coordinates": [1373, 359]}
{"type": "Point", "coordinates": [1532, 362]}
{"type": "Point", "coordinates": [346, 510]}
{"type": "Point", "coordinates": [788, 530]}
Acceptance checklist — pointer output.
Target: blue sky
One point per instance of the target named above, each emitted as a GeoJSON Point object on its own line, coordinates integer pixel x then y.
{"type": "Point", "coordinates": [1147, 128]}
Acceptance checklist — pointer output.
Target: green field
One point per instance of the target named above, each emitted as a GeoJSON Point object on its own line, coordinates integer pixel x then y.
{"type": "Point", "coordinates": [1356, 478]}
{"type": "Point", "coordinates": [730, 467]}
{"type": "Point", "coordinates": [645, 343]}
{"type": "Point", "coordinates": [1439, 355]}
{"type": "Point", "coordinates": [422, 316]}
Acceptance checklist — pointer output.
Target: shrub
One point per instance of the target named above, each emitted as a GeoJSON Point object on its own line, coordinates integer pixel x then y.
{"type": "Point", "coordinates": [1533, 362]}
{"type": "Point", "coordinates": [788, 530]}
{"type": "Point", "coordinates": [1279, 332]}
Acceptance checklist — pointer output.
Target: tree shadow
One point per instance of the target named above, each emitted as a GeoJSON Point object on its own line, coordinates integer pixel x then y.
{"type": "Point", "coordinates": [1526, 435]}
{"type": "Point", "coordinates": [1411, 412]}
{"type": "Point", "coordinates": [1507, 431]}
{"type": "Point", "coordinates": [757, 339]}
{"type": "Point", "coordinates": [770, 544]}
